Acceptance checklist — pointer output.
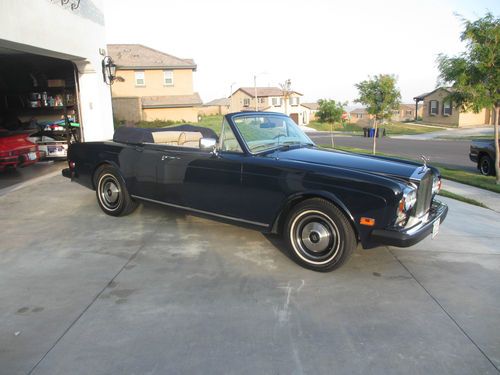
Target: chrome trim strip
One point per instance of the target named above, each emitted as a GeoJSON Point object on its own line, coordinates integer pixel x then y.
{"type": "Point", "coordinates": [201, 211]}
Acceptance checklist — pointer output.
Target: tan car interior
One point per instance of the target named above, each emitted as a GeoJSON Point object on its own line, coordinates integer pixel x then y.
{"type": "Point", "coordinates": [178, 138]}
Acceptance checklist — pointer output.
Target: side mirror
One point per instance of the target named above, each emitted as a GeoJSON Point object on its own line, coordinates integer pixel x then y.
{"type": "Point", "coordinates": [207, 144]}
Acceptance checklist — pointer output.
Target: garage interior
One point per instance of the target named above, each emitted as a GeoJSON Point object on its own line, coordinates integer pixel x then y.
{"type": "Point", "coordinates": [39, 98]}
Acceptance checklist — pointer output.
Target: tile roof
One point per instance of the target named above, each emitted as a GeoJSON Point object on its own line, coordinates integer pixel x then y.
{"type": "Point", "coordinates": [220, 101]}
{"type": "Point", "coordinates": [422, 96]}
{"type": "Point", "coordinates": [312, 106]}
{"type": "Point", "coordinates": [171, 101]}
{"type": "Point", "coordinates": [264, 91]}
{"type": "Point", "coordinates": [359, 110]}
{"type": "Point", "coordinates": [134, 56]}
{"type": "Point", "coordinates": [409, 106]}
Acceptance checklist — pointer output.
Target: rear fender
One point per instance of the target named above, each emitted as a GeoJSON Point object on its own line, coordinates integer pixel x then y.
{"type": "Point", "coordinates": [111, 164]}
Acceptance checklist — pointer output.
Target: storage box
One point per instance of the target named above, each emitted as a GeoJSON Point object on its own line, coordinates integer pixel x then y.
{"type": "Point", "coordinates": [56, 83]}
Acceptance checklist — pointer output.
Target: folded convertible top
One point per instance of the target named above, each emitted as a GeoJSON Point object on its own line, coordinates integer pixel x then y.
{"type": "Point", "coordinates": [145, 135]}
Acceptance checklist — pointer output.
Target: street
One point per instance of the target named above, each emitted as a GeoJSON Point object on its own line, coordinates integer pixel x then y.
{"type": "Point", "coordinates": [454, 154]}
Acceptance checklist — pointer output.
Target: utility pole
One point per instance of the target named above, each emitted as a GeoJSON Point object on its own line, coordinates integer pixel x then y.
{"type": "Point", "coordinates": [255, 92]}
{"type": "Point", "coordinates": [231, 96]}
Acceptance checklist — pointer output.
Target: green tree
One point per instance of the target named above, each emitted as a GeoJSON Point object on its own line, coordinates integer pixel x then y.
{"type": "Point", "coordinates": [380, 96]}
{"type": "Point", "coordinates": [475, 73]}
{"type": "Point", "coordinates": [330, 111]}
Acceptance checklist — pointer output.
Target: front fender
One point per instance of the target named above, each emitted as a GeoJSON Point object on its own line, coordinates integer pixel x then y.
{"type": "Point", "coordinates": [295, 198]}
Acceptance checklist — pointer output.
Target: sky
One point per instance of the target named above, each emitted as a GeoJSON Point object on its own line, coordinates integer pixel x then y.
{"type": "Point", "coordinates": [324, 47]}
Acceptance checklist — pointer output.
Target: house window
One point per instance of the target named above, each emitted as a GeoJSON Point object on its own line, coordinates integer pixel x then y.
{"type": "Point", "coordinates": [294, 101]}
{"type": "Point", "coordinates": [246, 102]}
{"type": "Point", "coordinates": [433, 107]}
{"type": "Point", "coordinates": [447, 108]}
{"type": "Point", "coordinates": [262, 100]}
{"type": "Point", "coordinates": [140, 80]}
{"type": "Point", "coordinates": [359, 115]}
{"type": "Point", "coordinates": [168, 77]}
{"type": "Point", "coordinates": [276, 102]}
{"type": "Point", "coordinates": [409, 113]}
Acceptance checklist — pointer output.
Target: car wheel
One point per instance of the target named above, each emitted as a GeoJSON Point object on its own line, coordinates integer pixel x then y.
{"type": "Point", "coordinates": [112, 194]}
{"type": "Point", "coordinates": [319, 235]}
{"type": "Point", "coordinates": [486, 166]}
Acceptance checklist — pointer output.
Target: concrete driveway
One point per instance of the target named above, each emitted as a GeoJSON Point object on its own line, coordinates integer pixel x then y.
{"type": "Point", "coordinates": [161, 292]}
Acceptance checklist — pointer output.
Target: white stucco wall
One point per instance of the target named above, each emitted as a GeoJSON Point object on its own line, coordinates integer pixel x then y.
{"type": "Point", "coordinates": [51, 28]}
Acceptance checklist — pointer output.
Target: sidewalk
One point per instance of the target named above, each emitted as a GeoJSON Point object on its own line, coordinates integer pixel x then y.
{"type": "Point", "coordinates": [449, 133]}
{"type": "Point", "coordinates": [489, 198]}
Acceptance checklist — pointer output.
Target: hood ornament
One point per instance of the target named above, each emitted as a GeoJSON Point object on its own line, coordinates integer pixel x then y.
{"type": "Point", "coordinates": [425, 160]}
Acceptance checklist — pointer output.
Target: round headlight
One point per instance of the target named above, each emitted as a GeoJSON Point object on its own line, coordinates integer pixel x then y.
{"type": "Point", "coordinates": [410, 197]}
{"type": "Point", "coordinates": [436, 184]}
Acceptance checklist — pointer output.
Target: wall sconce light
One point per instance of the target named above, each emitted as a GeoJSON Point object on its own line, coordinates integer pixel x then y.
{"type": "Point", "coordinates": [108, 70]}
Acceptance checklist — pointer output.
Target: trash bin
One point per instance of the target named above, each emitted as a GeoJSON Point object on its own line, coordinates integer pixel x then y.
{"type": "Point", "coordinates": [365, 131]}
{"type": "Point", "coordinates": [371, 133]}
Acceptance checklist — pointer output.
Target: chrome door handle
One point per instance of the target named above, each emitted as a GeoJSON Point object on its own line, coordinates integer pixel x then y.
{"type": "Point", "coordinates": [167, 157]}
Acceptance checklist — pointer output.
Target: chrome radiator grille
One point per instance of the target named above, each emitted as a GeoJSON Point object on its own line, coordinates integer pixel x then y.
{"type": "Point", "coordinates": [424, 195]}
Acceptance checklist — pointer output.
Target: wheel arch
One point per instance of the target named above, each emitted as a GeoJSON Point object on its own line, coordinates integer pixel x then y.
{"type": "Point", "coordinates": [293, 200]}
{"type": "Point", "coordinates": [480, 155]}
{"type": "Point", "coordinates": [104, 163]}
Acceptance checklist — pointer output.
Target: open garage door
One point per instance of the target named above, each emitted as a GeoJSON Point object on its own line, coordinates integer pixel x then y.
{"type": "Point", "coordinates": [39, 113]}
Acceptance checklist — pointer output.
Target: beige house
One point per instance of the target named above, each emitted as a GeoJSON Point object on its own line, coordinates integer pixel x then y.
{"type": "Point", "coordinates": [406, 112]}
{"type": "Point", "coordinates": [439, 110]}
{"type": "Point", "coordinates": [270, 99]}
{"type": "Point", "coordinates": [310, 113]}
{"type": "Point", "coordinates": [215, 107]}
{"type": "Point", "coordinates": [152, 85]}
{"type": "Point", "coordinates": [360, 117]}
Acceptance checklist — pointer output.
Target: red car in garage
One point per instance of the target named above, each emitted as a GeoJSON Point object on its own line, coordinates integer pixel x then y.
{"type": "Point", "coordinates": [16, 150]}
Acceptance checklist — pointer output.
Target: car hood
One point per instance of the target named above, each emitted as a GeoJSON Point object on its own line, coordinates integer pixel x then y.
{"type": "Point", "coordinates": [364, 163]}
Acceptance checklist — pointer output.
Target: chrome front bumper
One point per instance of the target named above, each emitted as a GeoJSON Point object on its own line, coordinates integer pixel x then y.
{"type": "Point", "coordinates": [415, 234]}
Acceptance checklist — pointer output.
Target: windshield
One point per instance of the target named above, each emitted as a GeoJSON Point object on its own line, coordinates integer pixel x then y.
{"type": "Point", "coordinates": [265, 132]}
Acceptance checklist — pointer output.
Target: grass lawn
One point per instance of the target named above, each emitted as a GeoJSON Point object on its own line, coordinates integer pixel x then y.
{"type": "Point", "coordinates": [449, 194]}
{"type": "Point", "coordinates": [464, 177]}
{"type": "Point", "coordinates": [212, 122]}
{"type": "Point", "coordinates": [324, 126]}
{"type": "Point", "coordinates": [391, 129]}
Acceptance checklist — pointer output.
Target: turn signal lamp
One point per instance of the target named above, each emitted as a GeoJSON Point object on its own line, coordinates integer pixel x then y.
{"type": "Point", "coordinates": [368, 221]}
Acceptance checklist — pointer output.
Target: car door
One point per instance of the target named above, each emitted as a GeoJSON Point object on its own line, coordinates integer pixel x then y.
{"type": "Point", "coordinates": [138, 165]}
{"type": "Point", "coordinates": [199, 179]}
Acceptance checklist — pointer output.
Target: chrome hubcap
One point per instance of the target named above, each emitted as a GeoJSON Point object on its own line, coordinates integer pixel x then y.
{"type": "Point", "coordinates": [109, 192]}
{"type": "Point", "coordinates": [485, 167]}
{"type": "Point", "coordinates": [315, 237]}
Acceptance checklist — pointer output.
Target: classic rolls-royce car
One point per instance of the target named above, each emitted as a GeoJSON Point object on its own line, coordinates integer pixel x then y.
{"type": "Point", "coordinates": [263, 172]}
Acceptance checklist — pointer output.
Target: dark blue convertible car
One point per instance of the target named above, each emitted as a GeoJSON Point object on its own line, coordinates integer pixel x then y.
{"type": "Point", "coordinates": [265, 173]}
